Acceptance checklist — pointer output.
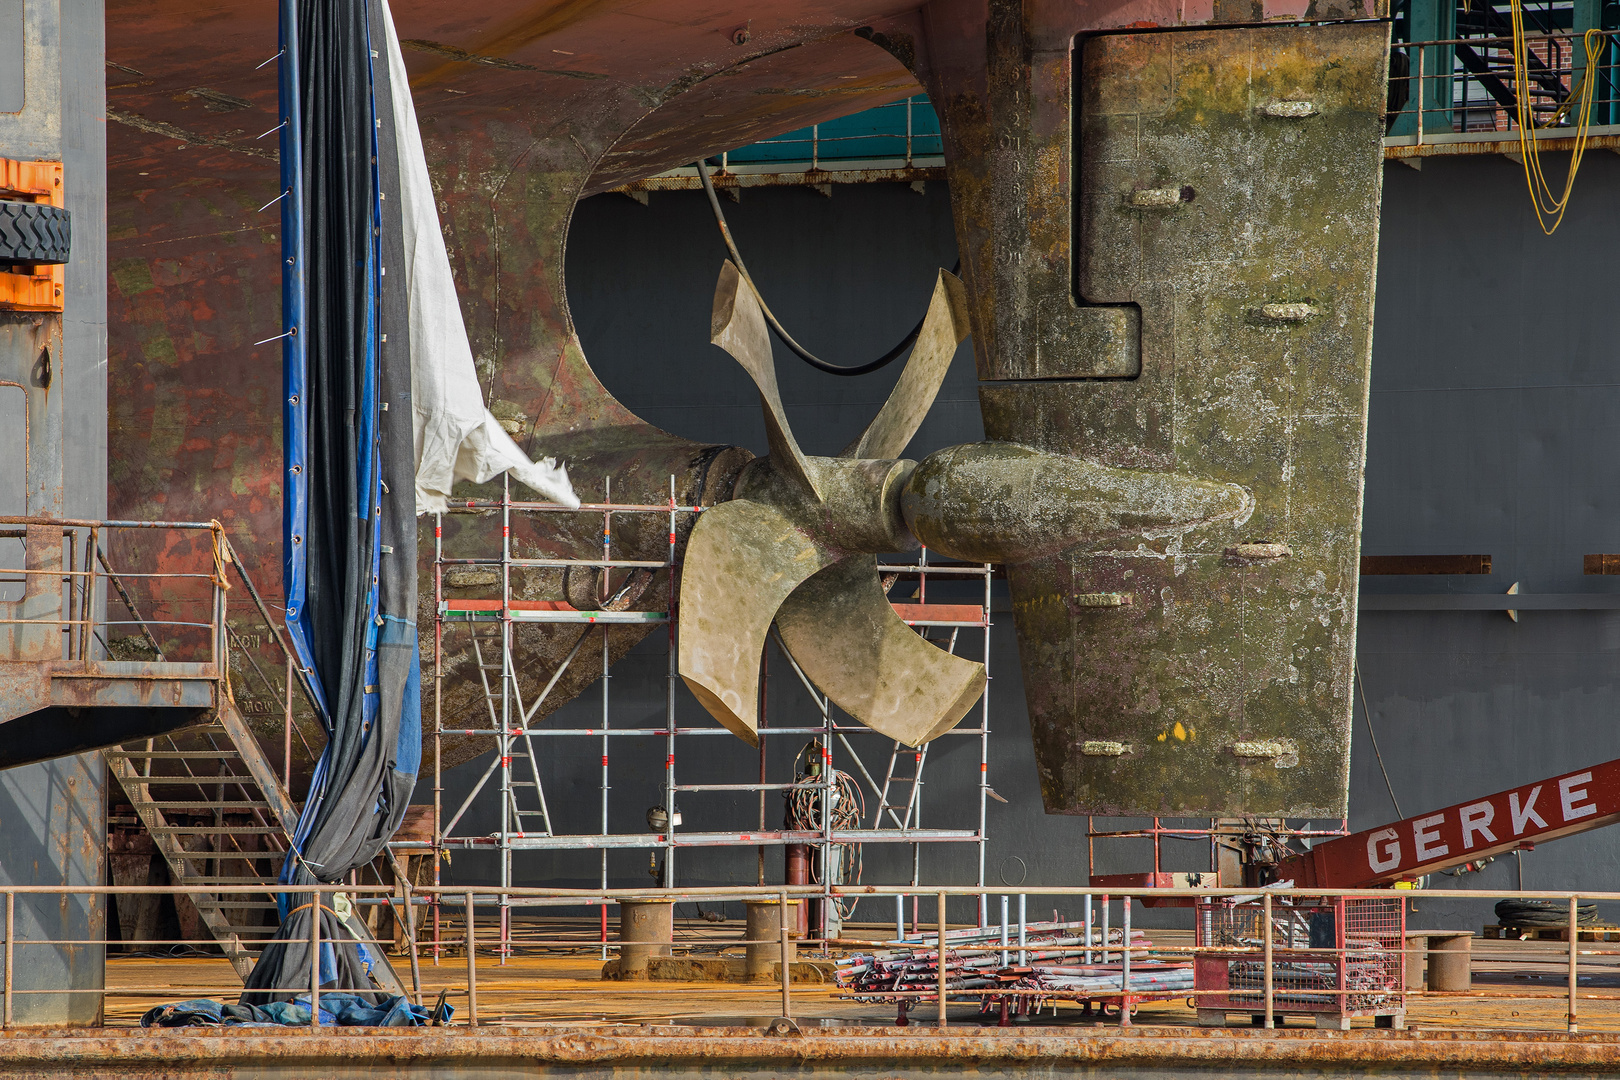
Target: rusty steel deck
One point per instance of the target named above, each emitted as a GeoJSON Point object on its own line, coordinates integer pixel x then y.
{"type": "Point", "coordinates": [894, 1052]}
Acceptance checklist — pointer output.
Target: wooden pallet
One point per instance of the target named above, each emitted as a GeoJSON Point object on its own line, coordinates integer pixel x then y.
{"type": "Point", "coordinates": [1552, 933]}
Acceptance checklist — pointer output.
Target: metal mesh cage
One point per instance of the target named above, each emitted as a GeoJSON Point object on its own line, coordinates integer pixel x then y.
{"type": "Point", "coordinates": [1341, 956]}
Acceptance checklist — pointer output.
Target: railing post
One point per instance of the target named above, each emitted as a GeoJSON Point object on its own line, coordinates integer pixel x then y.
{"type": "Point", "coordinates": [1088, 928]}
{"type": "Point", "coordinates": [1004, 931]}
{"type": "Point", "coordinates": [1125, 949]}
{"type": "Point", "coordinates": [939, 963]}
{"type": "Point", "coordinates": [787, 958]}
{"type": "Point", "coordinates": [472, 966]}
{"type": "Point", "coordinates": [315, 960]}
{"type": "Point", "coordinates": [11, 924]}
{"type": "Point", "coordinates": [1574, 941]}
{"type": "Point", "coordinates": [1265, 942]}
{"type": "Point", "coordinates": [1023, 928]}
{"type": "Point", "coordinates": [1420, 53]}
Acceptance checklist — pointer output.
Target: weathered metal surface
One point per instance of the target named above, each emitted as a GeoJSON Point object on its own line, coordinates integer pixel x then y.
{"type": "Point", "coordinates": [192, 260]}
{"type": "Point", "coordinates": [1426, 564]}
{"type": "Point", "coordinates": [678, 1051]}
{"type": "Point", "coordinates": [523, 112]}
{"type": "Point", "coordinates": [841, 628]}
{"type": "Point", "coordinates": [1052, 146]}
{"type": "Point", "coordinates": [797, 545]}
{"type": "Point", "coordinates": [1005, 503]}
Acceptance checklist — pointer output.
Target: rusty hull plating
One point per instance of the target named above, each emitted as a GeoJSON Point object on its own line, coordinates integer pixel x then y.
{"type": "Point", "coordinates": [1169, 260]}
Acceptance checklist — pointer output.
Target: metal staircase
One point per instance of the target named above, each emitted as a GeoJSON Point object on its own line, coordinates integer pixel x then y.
{"type": "Point", "coordinates": [220, 816]}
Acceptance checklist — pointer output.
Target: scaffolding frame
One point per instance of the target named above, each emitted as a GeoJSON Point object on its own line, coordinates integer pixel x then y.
{"type": "Point", "coordinates": [510, 719]}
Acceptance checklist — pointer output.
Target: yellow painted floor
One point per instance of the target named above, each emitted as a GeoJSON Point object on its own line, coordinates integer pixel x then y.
{"type": "Point", "coordinates": [1518, 986]}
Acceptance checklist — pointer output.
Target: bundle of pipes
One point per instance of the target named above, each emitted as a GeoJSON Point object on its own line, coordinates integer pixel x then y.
{"type": "Point", "coordinates": [1051, 960]}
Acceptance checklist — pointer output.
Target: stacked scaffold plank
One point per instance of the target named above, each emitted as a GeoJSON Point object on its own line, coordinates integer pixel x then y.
{"type": "Point", "coordinates": [1057, 961]}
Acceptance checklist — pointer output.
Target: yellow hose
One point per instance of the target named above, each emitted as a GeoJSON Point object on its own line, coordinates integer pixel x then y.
{"type": "Point", "coordinates": [1550, 207]}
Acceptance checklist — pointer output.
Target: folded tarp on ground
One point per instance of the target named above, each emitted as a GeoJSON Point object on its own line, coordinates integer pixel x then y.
{"type": "Point", "coordinates": [337, 1009]}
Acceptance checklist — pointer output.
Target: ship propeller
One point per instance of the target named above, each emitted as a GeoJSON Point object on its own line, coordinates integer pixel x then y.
{"type": "Point", "coordinates": [797, 543]}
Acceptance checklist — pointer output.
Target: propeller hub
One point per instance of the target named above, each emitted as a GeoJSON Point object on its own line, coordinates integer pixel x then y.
{"type": "Point", "coordinates": [1005, 503]}
{"type": "Point", "coordinates": [857, 508]}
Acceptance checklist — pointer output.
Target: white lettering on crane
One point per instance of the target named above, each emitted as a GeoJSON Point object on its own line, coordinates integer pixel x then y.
{"type": "Point", "coordinates": [1392, 852]}
{"type": "Point", "coordinates": [1569, 795]}
{"type": "Point", "coordinates": [1523, 816]}
{"type": "Point", "coordinates": [1476, 818]}
{"type": "Point", "coordinates": [1423, 838]}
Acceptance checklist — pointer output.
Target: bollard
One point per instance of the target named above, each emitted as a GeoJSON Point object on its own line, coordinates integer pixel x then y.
{"type": "Point", "coordinates": [764, 927]}
{"type": "Point", "coordinates": [472, 964]}
{"type": "Point", "coordinates": [646, 930]}
{"type": "Point", "coordinates": [1450, 956]}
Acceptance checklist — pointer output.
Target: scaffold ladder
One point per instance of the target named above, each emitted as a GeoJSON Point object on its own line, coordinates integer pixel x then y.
{"type": "Point", "coordinates": [893, 780]}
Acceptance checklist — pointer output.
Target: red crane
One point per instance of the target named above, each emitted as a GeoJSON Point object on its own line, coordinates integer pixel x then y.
{"type": "Point", "coordinates": [1405, 850]}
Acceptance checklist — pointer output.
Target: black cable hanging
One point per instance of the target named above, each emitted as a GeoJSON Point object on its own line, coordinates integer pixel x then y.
{"type": "Point", "coordinates": [899, 350]}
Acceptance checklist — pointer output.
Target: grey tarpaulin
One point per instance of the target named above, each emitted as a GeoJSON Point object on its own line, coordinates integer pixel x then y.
{"type": "Point", "coordinates": [349, 506]}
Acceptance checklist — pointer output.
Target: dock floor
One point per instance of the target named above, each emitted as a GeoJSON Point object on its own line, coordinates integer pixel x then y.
{"type": "Point", "coordinates": [1518, 986]}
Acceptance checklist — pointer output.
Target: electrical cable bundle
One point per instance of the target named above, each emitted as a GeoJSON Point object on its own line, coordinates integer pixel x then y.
{"type": "Point", "coordinates": [804, 813]}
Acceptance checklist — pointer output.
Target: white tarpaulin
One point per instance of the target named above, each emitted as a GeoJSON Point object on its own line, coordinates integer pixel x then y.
{"type": "Point", "coordinates": [457, 438]}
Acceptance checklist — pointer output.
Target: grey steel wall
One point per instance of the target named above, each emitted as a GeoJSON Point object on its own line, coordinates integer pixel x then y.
{"type": "Point", "coordinates": [1494, 380]}
{"type": "Point", "coordinates": [1496, 394]}
{"type": "Point", "coordinates": [52, 816]}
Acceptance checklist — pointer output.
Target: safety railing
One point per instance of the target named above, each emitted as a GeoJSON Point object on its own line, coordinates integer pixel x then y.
{"type": "Point", "coordinates": [59, 580]}
{"type": "Point", "coordinates": [1267, 953]}
{"type": "Point", "coordinates": [138, 600]}
{"type": "Point", "coordinates": [1484, 89]}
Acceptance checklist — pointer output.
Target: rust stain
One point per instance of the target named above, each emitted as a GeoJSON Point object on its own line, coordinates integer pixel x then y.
{"type": "Point", "coordinates": [516, 32]}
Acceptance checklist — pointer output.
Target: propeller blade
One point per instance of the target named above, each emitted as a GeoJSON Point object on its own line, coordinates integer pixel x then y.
{"type": "Point", "coordinates": [742, 560]}
{"type": "Point", "coordinates": [737, 325]}
{"type": "Point", "coordinates": [840, 628]}
{"type": "Point", "coordinates": [944, 328]}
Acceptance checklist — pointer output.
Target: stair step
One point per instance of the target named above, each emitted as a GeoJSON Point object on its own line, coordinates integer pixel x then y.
{"type": "Point", "coordinates": [173, 755]}
{"type": "Point", "coordinates": [165, 804]}
{"type": "Point", "coordinates": [213, 829]}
